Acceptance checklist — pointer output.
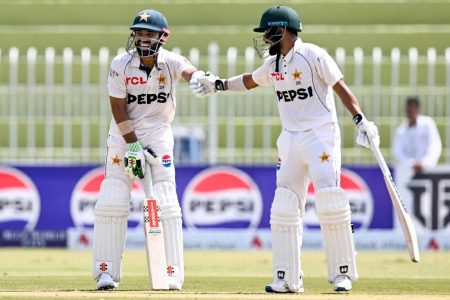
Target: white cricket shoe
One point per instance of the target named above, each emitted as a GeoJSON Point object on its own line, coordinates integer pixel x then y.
{"type": "Point", "coordinates": [105, 282]}
{"type": "Point", "coordinates": [342, 284]}
{"type": "Point", "coordinates": [281, 286]}
{"type": "Point", "coordinates": [174, 284]}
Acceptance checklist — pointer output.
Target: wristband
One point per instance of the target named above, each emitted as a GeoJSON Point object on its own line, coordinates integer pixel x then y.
{"type": "Point", "coordinates": [357, 118]}
{"type": "Point", "coordinates": [236, 83]}
{"type": "Point", "coordinates": [125, 127]}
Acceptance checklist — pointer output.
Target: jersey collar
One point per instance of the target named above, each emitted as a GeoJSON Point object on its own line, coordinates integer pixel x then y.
{"type": "Point", "coordinates": [294, 49]}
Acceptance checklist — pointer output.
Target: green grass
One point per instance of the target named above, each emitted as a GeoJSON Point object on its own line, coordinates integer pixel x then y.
{"type": "Point", "coordinates": [64, 274]}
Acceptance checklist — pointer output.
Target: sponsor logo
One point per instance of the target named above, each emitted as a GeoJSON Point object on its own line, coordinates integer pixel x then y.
{"type": "Point", "coordinates": [86, 193]}
{"type": "Point", "coordinates": [291, 95]}
{"type": "Point", "coordinates": [277, 76]}
{"type": "Point", "coordinates": [167, 160]}
{"type": "Point", "coordinates": [280, 274]}
{"type": "Point", "coordinates": [343, 269]}
{"type": "Point", "coordinates": [222, 197]}
{"type": "Point", "coordinates": [103, 267]}
{"type": "Point", "coordinates": [279, 164]}
{"type": "Point", "coordinates": [135, 80]}
{"type": "Point", "coordinates": [431, 199]}
{"type": "Point", "coordinates": [148, 98]}
{"type": "Point", "coordinates": [152, 211]}
{"type": "Point", "coordinates": [170, 271]}
{"type": "Point", "coordinates": [20, 203]}
{"type": "Point", "coordinates": [358, 194]}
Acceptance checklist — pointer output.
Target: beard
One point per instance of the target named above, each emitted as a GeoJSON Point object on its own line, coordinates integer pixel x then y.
{"type": "Point", "coordinates": [275, 49]}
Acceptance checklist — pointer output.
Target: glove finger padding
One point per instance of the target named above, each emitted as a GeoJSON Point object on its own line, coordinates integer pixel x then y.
{"type": "Point", "coordinates": [152, 158]}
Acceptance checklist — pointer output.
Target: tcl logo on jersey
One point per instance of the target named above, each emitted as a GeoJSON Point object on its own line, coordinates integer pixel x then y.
{"type": "Point", "coordinates": [135, 80]}
{"type": "Point", "coordinates": [291, 95]}
{"type": "Point", "coordinates": [277, 75]}
{"type": "Point", "coordinates": [148, 98]}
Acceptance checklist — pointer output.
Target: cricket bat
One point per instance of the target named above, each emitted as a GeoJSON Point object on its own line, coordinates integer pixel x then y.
{"type": "Point", "coordinates": [404, 218]}
{"type": "Point", "coordinates": [154, 236]}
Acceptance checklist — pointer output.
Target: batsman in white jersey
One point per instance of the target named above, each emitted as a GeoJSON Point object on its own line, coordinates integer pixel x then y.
{"type": "Point", "coordinates": [142, 84]}
{"type": "Point", "coordinates": [304, 77]}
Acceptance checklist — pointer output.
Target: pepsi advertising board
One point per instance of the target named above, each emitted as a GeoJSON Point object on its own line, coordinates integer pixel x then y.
{"type": "Point", "coordinates": [225, 199]}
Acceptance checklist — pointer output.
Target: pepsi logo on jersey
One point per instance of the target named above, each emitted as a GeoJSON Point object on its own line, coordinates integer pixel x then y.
{"type": "Point", "coordinates": [148, 98]}
{"type": "Point", "coordinates": [291, 95]}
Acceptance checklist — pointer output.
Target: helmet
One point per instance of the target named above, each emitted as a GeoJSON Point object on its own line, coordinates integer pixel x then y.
{"type": "Point", "coordinates": [153, 21]}
{"type": "Point", "coordinates": [279, 16]}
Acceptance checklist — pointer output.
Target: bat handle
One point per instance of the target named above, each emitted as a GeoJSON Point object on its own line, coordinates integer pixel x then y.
{"type": "Point", "coordinates": [148, 182]}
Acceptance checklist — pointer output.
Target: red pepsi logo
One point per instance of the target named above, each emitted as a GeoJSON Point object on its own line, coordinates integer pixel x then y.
{"type": "Point", "coordinates": [166, 160]}
{"type": "Point", "coordinates": [222, 197]}
{"type": "Point", "coordinates": [358, 195]}
{"type": "Point", "coordinates": [20, 203]}
{"type": "Point", "coordinates": [86, 193]}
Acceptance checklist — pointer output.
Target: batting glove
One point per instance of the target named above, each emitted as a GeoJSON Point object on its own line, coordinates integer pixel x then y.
{"type": "Point", "coordinates": [366, 132]}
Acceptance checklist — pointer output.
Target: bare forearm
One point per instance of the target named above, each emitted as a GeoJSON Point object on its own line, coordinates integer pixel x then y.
{"type": "Point", "coordinates": [348, 99]}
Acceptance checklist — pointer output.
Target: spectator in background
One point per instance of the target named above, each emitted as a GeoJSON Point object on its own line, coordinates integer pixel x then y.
{"type": "Point", "coordinates": [416, 144]}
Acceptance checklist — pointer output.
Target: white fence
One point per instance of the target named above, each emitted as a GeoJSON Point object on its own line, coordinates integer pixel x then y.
{"type": "Point", "coordinates": [54, 107]}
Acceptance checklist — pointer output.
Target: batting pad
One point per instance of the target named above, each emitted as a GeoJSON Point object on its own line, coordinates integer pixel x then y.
{"type": "Point", "coordinates": [173, 234]}
{"type": "Point", "coordinates": [110, 227]}
{"type": "Point", "coordinates": [286, 228]}
{"type": "Point", "coordinates": [333, 211]}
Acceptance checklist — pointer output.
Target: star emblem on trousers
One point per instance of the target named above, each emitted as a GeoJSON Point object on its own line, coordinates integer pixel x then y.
{"type": "Point", "coordinates": [324, 157]}
{"type": "Point", "coordinates": [116, 160]}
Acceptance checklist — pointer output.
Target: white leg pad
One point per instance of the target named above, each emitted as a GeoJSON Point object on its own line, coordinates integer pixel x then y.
{"type": "Point", "coordinates": [286, 228]}
{"type": "Point", "coordinates": [333, 211]}
{"type": "Point", "coordinates": [110, 228]}
{"type": "Point", "coordinates": [173, 233]}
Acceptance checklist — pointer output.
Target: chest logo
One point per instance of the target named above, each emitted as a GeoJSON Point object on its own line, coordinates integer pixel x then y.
{"type": "Point", "coordinates": [297, 75]}
{"type": "Point", "coordinates": [135, 80]}
{"type": "Point", "coordinates": [277, 75]}
{"type": "Point", "coordinates": [161, 79]}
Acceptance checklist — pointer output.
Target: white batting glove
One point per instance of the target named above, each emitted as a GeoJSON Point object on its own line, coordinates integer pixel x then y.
{"type": "Point", "coordinates": [211, 83]}
{"type": "Point", "coordinates": [197, 88]}
{"type": "Point", "coordinates": [367, 132]}
{"type": "Point", "coordinates": [151, 157]}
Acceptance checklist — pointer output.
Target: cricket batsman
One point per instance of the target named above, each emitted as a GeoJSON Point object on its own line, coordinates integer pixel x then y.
{"type": "Point", "coordinates": [142, 85]}
{"type": "Point", "coordinates": [304, 77]}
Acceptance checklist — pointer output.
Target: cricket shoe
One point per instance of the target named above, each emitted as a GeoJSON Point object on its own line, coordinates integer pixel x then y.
{"type": "Point", "coordinates": [105, 282]}
{"type": "Point", "coordinates": [174, 284]}
{"type": "Point", "coordinates": [342, 284]}
{"type": "Point", "coordinates": [281, 286]}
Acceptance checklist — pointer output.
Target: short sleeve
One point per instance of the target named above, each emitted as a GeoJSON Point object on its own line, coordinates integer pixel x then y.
{"type": "Point", "coordinates": [179, 64]}
{"type": "Point", "coordinates": [262, 75]}
{"type": "Point", "coordinates": [116, 80]}
{"type": "Point", "coordinates": [327, 68]}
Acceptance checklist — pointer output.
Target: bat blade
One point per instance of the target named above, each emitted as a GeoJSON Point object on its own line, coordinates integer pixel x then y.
{"type": "Point", "coordinates": [404, 219]}
{"type": "Point", "coordinates": [154, 245]}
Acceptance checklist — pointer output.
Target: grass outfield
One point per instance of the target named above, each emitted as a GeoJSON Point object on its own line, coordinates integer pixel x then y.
{"type": "Point", "coordinates": [64, 274]}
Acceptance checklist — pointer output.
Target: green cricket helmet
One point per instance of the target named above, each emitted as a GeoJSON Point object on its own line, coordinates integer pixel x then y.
{"type": "Point", "coordinates": [279, 16]}
{"type": "Point", "coordinates": [153, 21]}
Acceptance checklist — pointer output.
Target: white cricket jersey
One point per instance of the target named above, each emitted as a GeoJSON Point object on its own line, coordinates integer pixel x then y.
{"type": "Point", "coordinates": [420, 143]}
{"type": "Point", "coordinates": [303, 86]}
{"type": "Point", "coordinates": [151, 100]}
